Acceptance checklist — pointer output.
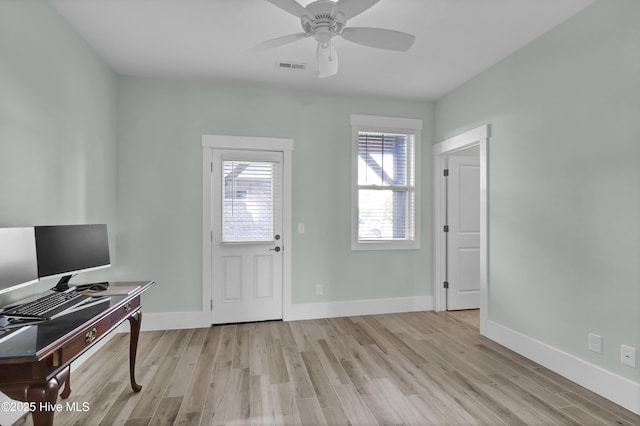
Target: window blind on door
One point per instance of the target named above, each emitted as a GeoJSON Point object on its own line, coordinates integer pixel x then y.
{"type": "Point", "coordinates": [249, 201]}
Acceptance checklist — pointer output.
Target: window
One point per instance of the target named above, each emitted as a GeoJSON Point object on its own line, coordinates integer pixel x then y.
{"type": "Point", "coordinates": [249, 199]}
{"type": "Point", "coordinates": [385, 183]}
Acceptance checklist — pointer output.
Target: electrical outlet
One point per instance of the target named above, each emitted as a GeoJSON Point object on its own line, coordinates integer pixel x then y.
{"type": "Point", "coordinates": [595, 343]}
{"type": "Point", "coordinates": [319, 290]}
{"type": "Point", "coordinates": [628, 355]}
{"type": "Point", "coordinates": [301, 228]}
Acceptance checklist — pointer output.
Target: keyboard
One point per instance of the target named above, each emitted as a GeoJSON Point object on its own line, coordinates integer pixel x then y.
{"type": "Point", "coordinates": [47, 306]}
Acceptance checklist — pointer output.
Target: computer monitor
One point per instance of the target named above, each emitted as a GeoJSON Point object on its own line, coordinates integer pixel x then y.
{"type": "Point", "coordinates": [18, 262]}
{"type": "Point", "coordinates": [66, 250]}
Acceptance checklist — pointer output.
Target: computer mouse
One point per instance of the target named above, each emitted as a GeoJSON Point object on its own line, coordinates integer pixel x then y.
{"type": "Point", "coordinates": [99, 287]}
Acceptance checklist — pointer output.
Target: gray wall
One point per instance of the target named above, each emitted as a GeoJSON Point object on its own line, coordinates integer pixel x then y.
{"type": "Point", "coordinates": [57, 124]}
{"type": "Point", "coordinates": [564, 181]}
{"type": "Point", "coordinates": [160, 126]}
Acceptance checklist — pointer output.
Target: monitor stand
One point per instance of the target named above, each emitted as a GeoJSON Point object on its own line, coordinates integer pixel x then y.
{"type": "Point", "coordinates": [63, 284]}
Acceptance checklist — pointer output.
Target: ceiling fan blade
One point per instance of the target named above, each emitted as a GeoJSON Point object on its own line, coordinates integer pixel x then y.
{"type": "Point", "coordinates": [351, 8]}
{"type": "Point", "coordinates": [277, 42]}
{"type": "Point", "coordinates": [291, 6]}
{"type": "Point", "coordinates": [327, 60]}
{"type": "Point", "coordinates": [379, 38]}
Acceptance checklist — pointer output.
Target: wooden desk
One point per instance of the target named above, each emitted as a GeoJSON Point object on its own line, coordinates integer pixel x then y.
{"type": "Point", "coordinates": [35, 360]}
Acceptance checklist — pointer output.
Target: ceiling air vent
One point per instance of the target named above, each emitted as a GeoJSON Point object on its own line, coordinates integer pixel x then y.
{"type": "Point", "coordinates": [291, 65]}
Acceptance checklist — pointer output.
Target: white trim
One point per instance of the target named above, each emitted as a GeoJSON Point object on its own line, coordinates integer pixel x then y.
{"type": "Point", "coordinates": [439, 244]}
{"type": "Point", "coordinates": [386, 122]}
{"type": "Point", "coordinates": [618, 389]}
{"type": "Point", "coordinates": [207, 226]}
{"type": "Point", "coordinates": [306, 311]}
{"type": "Point", "coordinates": [210, 142]}
{"type": "Point", "coordinates": [462, 141]}
{"type": "Point", "coordinates": [246, 142]}
{"type": "Point", "coordinates": [476, 137]}
{"type": "Point", "coordinates": [287, 205]}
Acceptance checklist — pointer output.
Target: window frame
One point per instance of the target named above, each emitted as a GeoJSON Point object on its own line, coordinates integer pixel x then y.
{"type": "Point", "coordinates": [370, 123]}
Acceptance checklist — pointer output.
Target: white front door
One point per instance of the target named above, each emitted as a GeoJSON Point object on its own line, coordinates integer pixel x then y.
{"type": "Point", "coordinates": [463, 245]}
{"type": "Point", "coordinates": [247, 261]}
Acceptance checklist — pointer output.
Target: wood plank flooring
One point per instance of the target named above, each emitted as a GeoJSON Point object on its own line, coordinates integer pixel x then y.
{"type": "Point", "coordinates": [417, 368]}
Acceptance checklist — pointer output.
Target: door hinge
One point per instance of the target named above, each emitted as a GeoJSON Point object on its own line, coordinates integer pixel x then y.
{"type": "Point", "coordinates": [211, 305]}
{"type": "Point", "coordinates": [446, 172]}
{"type": "Point", "coordinates": [446, 228]}
{"type": "Point", "coordinates": [446, 284]}
{"type": "Point", "coordinates": [212, 167]}
{"type": "Point", "coordinates": [211, 235]}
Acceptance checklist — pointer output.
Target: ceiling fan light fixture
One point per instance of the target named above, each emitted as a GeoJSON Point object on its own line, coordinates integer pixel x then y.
{"type": "Point", "coordinates": [327, 60]}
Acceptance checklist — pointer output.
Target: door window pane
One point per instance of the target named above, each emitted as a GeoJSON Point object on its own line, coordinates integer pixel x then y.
{"type": "Point", "coordinates": [249, 199]}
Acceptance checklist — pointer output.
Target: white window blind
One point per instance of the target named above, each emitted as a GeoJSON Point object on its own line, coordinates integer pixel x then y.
{"type": "Point", "coordinates": [249, 200]}
{"type": "Point", "coordinates": [385, 186]}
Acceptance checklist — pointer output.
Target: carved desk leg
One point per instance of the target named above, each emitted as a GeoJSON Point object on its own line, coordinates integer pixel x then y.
{"type": "Point", "coordinates": [45, 396]}
{"type": "Point", "coordinates": [41, 396]}
{"type": "Point", "coordinates": [134, 320]}
{"type": "Point", "coordinates": [67, 385]}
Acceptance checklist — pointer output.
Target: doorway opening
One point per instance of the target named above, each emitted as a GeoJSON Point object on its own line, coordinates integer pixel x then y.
{"type": "Point", "coordinates": [477, 139]}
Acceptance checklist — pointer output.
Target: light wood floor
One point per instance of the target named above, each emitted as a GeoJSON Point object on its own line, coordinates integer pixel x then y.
{"type": "Point", "coordinates": [414, 368]}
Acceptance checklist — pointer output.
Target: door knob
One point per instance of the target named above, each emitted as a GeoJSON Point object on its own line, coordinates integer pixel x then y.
{"type": "Point", "coordinates": [276, 249]}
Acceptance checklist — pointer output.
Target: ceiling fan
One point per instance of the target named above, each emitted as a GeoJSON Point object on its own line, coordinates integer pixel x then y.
{"type": "Point", "coordinates": [325, 19]}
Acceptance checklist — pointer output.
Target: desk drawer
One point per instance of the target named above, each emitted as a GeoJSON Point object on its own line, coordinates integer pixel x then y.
{"type": "Point", "coordinates": [78, 344]}
{"type": "Point", "coordinates": [125, 311]}
{"type": "Point", "coordinates": [85, 340]}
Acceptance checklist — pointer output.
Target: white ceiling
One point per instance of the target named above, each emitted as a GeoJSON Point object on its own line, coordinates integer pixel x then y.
{"type": "Point", "coordinates": [211, 40]}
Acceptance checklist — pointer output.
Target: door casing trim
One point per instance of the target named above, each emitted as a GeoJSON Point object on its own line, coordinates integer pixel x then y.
{"type": "Point", "coordinates": [211, 142]}
{"type": "Point", "coordinates": [475, 137]}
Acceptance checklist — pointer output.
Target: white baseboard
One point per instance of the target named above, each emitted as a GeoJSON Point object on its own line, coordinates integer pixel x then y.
{"type": "Point", "coordinates": [170, 321]}
{"type": "Point", "coordinates": [302, 311]}
{"type": "Point", "coordinates": [618, 389]}
{"type": "Point", "coordinates": [305, 311]}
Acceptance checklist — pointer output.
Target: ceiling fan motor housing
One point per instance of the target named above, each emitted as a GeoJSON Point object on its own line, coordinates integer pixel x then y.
{"type": "Point", "coordinates": [323, 20]}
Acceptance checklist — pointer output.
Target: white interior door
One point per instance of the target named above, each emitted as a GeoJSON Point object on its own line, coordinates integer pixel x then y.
{"type": "Point", "coordinates": [247, 262]}
{"type": "Point", "coordinates": [463, 246]}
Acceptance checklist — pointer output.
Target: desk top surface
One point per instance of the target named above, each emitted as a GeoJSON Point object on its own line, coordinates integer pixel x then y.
{"type": "Point", "coordinates": [30, 340]}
